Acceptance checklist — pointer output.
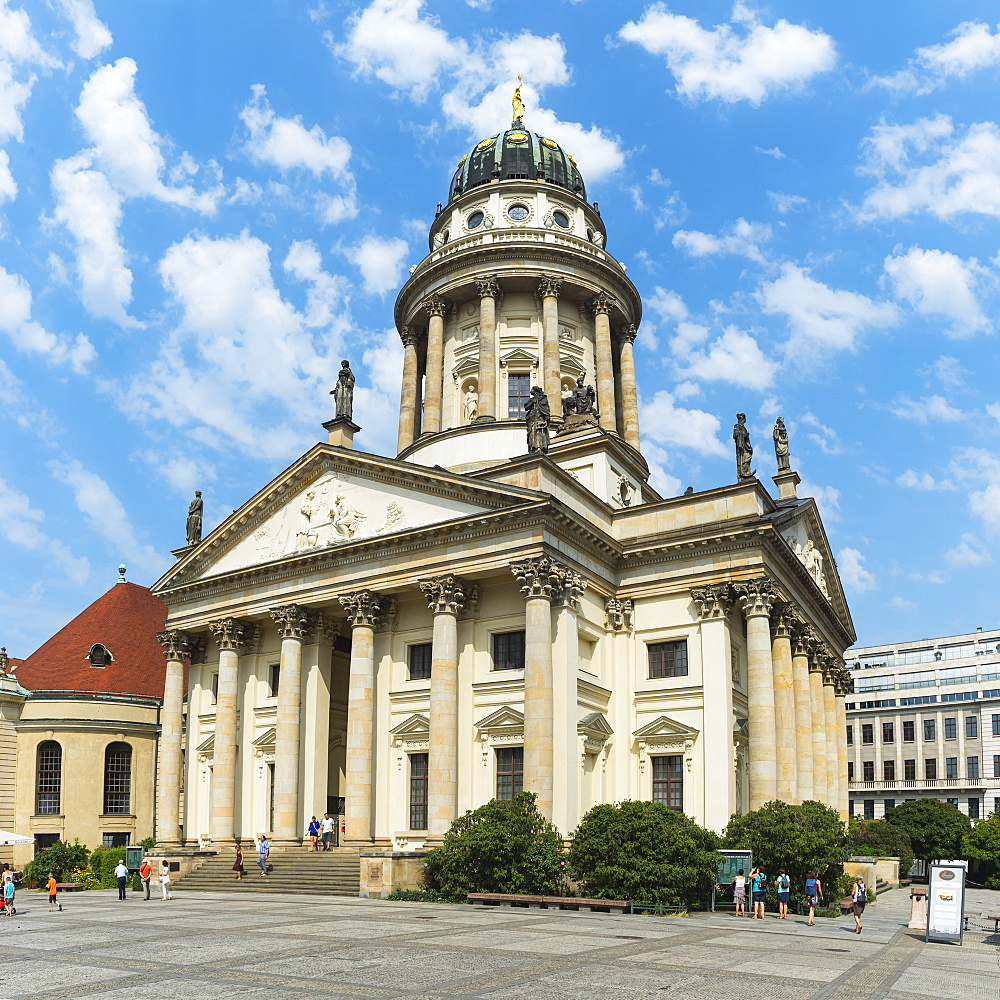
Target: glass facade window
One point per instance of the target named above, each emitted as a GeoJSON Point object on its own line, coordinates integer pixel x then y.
{"type": "Point", "coordinates": [996, 804]}
{"type": "Point", "coordinates": [518, 393]}
{"type": "Point", "coordinates": [667, 659]}
{"type": "Point", "coordinates": [996, 725]}
{"type": "Point", "coordinates": [850, 736]}
{"type": "Point", "coordinates": [867, 733]}
{"type": "Point", "coordinates": [115, 839]}
{"type": "Point", "coordinates": [952, 802]}
{"type": "Point", "coordinates": [508, 650]}
{"type": "Point", "coordinates": [971, 727]}
{"type": "Point", "coordinates": [668, 781]}
{"type": "Point", "coordinates": [117, 778]}
{"type": "Point", "coordinates": [908, 736]}
{"type": "Point", "coordinates": [888, 770]}
{"type": "Point", "coordinates": [418, 791]}
{"type": "Point", "coordinates": [419, 656]}
{"type": "Point", "coordinates": [869, 809]}
{"type": "Point", "coordinates": [888, 804]}
{"type": "Point", "coordinates": [868, 770]}
{"type": "Point", "coordinates": [951, 767]}
{"type": "Point", "coordinates": [930, 769]}
{"type": "Point", "coordinates": [510, 772]}
{"type": "Point", "coordinates": [972, 767]}
{"type": "Point", "coordinates": [929, 729]}
{"type": "Point", "coordinates": [996, 765]}
{"type": "Point", "coordinates": [274, 678]}
{"type": "Point", "coordinates": [48, 786]}
{"type": "Point", "coordinates": [909, 770]}
{"type": "Point", "coordinates": [973, 808]}
{"type": "Point", "coordinates": [888, 732]}
{"type": "Point", "coordinates": [950, 729]}
{"type": "Point", "coordinates": [850, 770]}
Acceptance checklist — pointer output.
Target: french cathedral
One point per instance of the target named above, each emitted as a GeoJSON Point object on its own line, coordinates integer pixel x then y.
{"type": "Point", "coordinates": [506, 604]}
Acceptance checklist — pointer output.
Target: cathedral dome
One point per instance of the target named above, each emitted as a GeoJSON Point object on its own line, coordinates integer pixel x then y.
{"type": "Point", "coordinates": [517, 153]}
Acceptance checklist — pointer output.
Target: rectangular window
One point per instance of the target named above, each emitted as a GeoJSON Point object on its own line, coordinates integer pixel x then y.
{"type": "Point", "coordinates": [668, 781]}
{"type": "Point", "coordinates": [930, 769]}
{"type": "Point", "coordinates": [850, 770]}
{"type": "Point", "coordinates": [215, 688]}
{"type": "Point", "coordinates": [972, 767]}
{"type": "Point", "coordinates": [996, 765]}
{"type": "Point", "coordinates": [952, 802]}
{"type": "Point", "coordinates": [667, 659]}
{"type": "Point", "coordinates": [888, 804]}
{"type": "Point", "coordinates": [973, 808]}
{"type": "Point", "coordinates": [43, 841]}
{"type": "Point", "coordinates": [418, 791]}
{"type": "Point", "coordinates": [510, 772]}
{"type": "Point", "coordinates": [996, 806]}
{"type": "Point", "coordinates": [850, 736]}
{"type": "Point", "coordinates": [508, 650]}
{"type": "Point", "coordinates": [951, 767]}
{"type": "Point", "coordinates": [888, 770]}
{"type": "Point", "coordinates": [909, 770]}
{"type": "Point", "coordinates": [518, 393]}
{"type": "Point", "coordinates": [420, 670]}
{"type": "Point", "coordinates": [867, 733]}
{"type": "Point", "coordinates": [274, 678]}
{"type": "Point", "coordinates": [929, 733]}
{"type": "Point", "coordinates": [115, 839]}
{"type": "Point", "coordinates": [868, 770]}
{"type": "Point", "coordinates": [908, 731]}
{"type": "Point", "coordinates": [996, 725]}
{"type": "Point", "coordinates": [869, 809]}
{"type": "Point", "coordinates": [972, 727]}
{"type": "Point", "coordinates": [950, 729]}
{"type": "Point", "coordinates": [888, 732]}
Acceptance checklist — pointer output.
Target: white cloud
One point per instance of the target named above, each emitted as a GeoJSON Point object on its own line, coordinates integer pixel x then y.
{"type": "Point", "coordinates": [669, 424]}
{"type": "Point", "coordinates": [741, 238]}
{"type": "Point", "coordinates": [105, 514]}
{"type": "Point", "coordinates": [785, 203]}
{"type": "Point", "coordinates": [31, 337]}
{"type": "Point", "coordinates": [993, 410]}
{"type": "Point", "coordinates": [662, 481]}
{"type": "Point", "coordinates": [923, 481]}
{"type": "Point", "coordinates": [948, 371]}
{"type": "Point", "coordinates": [727, 64]}
{"type": "Point", "coordinates": [733, 357]}
{"type": "Point", "coordinates": [902, 603]}
{"type": "Point", "coordinates": [182, 471]}
{"type": "Point", "coordinates": [8, 186]}
{"type": "Point", "coordinates": [927, 166]}
{"type": "Point", "coordinates": [667, 304]}
{"type": "Point", "coordinates": [774, 152]}
{"type": "Point", "coordinates": [853, 573]}
{"type": "Point", "coordinates": [821, 319]}
{"type": "Point", "coordinates": [19, 49]}
{"type": "Point", "coordinates": [939, 283]}
{"type": "Point", "coordinates": [968, 552]}
{"type": "Point", "coordinates": [327, 293]}
{"type": "Point", "coordinates": [978, 467]}
{"type": "Point", "coordinates": [827, 499]}
{"type": "Point", "coordinates": [383, 360]}
{"type": "Point", "coordinates": [825, 438]}
{"type": "Point", "coordinates": [379, 261]}
{"type": "Point", "coordinates": [923, 411]}
{"type": "Point", "coordinates": [92, 36]}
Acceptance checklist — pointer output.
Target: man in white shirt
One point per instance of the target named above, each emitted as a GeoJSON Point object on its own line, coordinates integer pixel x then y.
{"type": "Point", "coordinates": [326, 828]}
{"type": "Point", "coordinates": [121, 874]}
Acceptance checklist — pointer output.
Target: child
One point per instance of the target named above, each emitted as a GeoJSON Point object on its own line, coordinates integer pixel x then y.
{"type": "Point", "coordinates": [784, 886]}
{"type": "Point", "coordinates": [814, 893]}
{"type": "Point", "coordinates": [53, 888]}
{"type": "Point", "coordinates": [8, 897]}
{"type": "Point", "coordinates": [740, 893]}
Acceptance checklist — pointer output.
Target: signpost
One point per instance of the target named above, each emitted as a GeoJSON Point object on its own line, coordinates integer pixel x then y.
{"type": "Point", "coordinates": [732, 862]}
{"type": "Point", "coordinates": [133, 857]}
{"type": "Point", "coordinates": [945, 902]}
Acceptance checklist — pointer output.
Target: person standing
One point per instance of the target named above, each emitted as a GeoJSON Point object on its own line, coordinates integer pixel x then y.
{"type": "Point", "coordinates": [327, 829]}
{"type": "Point", "coordinates": [8, 897]}
{"type": "Point", "coordinates": [784, 886]}
{"type": "Point", "coordinates": [121, 874]}
{"type": "Point", "coordinates": [739, 885]}
{"type": "Point", "coordinates": [165, 881]}
{"type": "Point", "coordinates": [238, 864]}
{"type": "Point", "coordinates": [53, 888]}
{"type": "Point", "coordinates": [145, 874]}
{"type": "Point", "coordinates": [814, 893]}
{"type": "Point", "coordinates": [859, 897]}
{"type": "Point", "coordinates": [313, 834]}
{"type": "Point", "coordinates": [263, 851]}
{"type": "Point", "coordinates": [758, 881]}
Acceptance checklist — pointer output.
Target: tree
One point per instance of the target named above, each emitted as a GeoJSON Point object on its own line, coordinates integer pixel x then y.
{"type": "Point", "coordinates": [796, 838]}
{"type": "Point", "coordinates": [60, 859]}
{"type": "Point", "coordinates": [936, 828]}
{"type": "Point", "coordinates": [983, 842]}
{"type": "Point", "coordinates": [881, 839]}
{"type": "Point", "coordinates": [504, 847]}
{"type": "Point", "coordinates": [643, 851]}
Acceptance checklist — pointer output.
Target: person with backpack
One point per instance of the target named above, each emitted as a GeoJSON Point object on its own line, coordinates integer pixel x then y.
{"type": "Point", "coordinates": [814, 893]}
{"type": "Point", "coordinates": [739, 884]}
{"type": "Point", "coordinates": [758, 881]}
{"type": "Point", "coordinates": [784, 886]}
{"type": "Point", "coordinates": [859, 897]}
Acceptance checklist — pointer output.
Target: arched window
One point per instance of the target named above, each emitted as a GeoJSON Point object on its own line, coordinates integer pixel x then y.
{"type": "Point", "coordinates": [117, 778]}
{"type": "Point", "coordinates": [49, 786]}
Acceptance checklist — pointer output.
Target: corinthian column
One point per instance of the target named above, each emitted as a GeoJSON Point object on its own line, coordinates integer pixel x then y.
{"type": "Point", "coordinates": [408, 395]}
{"type": "Point", "coordinates": [445, 597]}
{"type": "Point", "coordinates": [231, 635]}
{"type": "Point", "coordinates": [784, 702]}
{"type": "Point", "coordinates": [540, 580]}
{"type": "Point", "coordinates": [294, 623]}
{"type": "Point", "coordinates": [803, 713]}
{"type": "Point", "coordinates": [630, 397]}
{"type": "Point", "coordinates": [833, 739]}
{"type": "Point", "coordinates": [489, 292]}
{"type": "Point", "coordinates": [756, 599]}
{"type": "Point", "coordinates": [843, 686]}
{"type": "Point", "coordinates": [817, 718]}
{"type": "Point", "coordinates": [601, 305]}
{"type": "Point", "coordinates": [176, 649]}
{"type": "Point", "coordinates": [436, 308]}
{"type": "Point", "coordinates": [364, 610]}
{"type": "Point", "coordinates": [548, 292]}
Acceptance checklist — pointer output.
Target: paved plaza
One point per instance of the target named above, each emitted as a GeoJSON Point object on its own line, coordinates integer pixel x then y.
{"type": "Point", "coordinates": [202, 946]}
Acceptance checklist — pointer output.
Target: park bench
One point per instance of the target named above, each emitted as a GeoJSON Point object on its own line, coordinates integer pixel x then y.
{"type": "Point", "coordinates": [70, 886]}
{"type": "Point", "coordinates": [986, 916]}
{"type": "Point", "coordinates": [557, 902]}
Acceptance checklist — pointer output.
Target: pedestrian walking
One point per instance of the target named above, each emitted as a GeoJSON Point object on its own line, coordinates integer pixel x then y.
{"type": "Point", "coordinates": [327, 829]}
{"type": "Point", "coordinates": [165, 881]}
{"type": "Point", "coordinates": [238, 864]}
{"type": "Point", "coordinates": [784, 886]}
{"type": "Point", "coordinates": [859, 897]}
{"type": "Point", "coordinates": [8, 897]}
{"type": "Point", "coordinates": [814, 893]}
{"type": "Point", "coordinates": [313, 834]}
{"type": "Point", "coordinates": [263, 851]}
{"type": "Point", "coordinates": [145, 874]}
{"type": "Point", "coordinates": [121, 875]}
{"type": "Point", "coordinates": [739, 885]}
{"type": "Point", "coordinates": [758, 881]}
{"type": "Point", "coordinates": [53, 888]}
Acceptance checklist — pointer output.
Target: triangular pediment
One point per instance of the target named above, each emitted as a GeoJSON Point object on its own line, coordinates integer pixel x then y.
{"type": "Point", "coordinates": [334, 497]}
{"type": "Point", "coordinates": [207, 746]}
{"type": "Point", "coordinates": [519, 358]}
{"type": "Point", "coordinates": [594, 725]}
{"type": "Point", "coordinates": [665, 728]}
{"type": "Point", "coordinates": [415, 725]}
{"type": "Point", "coordinates": [266, 740]}
{"type": "Point", "coordinates": [504, 719]}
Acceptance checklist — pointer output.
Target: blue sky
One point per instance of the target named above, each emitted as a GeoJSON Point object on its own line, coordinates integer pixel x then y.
{"type": "Point", "coordinates": [204, 207]}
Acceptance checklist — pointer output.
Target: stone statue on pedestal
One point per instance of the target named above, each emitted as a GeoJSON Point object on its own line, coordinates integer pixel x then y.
{"type": "Point", "coordinates": [537, 415]}
{"type": "Point", "coordinates": [343, 392]}
{"type": "Point", "coordinates": [581, 400]}
{"type": "Point", "coordinates": [195, 509]}
{"type": "Point", "coordinates": [744, 450]}
{"type": "Point", "coordinates": [781, 446]}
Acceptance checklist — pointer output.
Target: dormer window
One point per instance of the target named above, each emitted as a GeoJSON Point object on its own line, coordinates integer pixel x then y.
{"type": "Point", "coordinates": [99, 655]}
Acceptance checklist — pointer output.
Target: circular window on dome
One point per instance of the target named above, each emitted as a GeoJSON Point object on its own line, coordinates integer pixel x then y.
{"type": "Point", "coordinates": [517, 136]}
{"type": "Point", "coordinates": [485, 144]}
{"type": "Point", "coordinates": [561, 219]}
{"type": "Point", "coordinates": [551, 143]}
{"type": "Point", "coordinates": [475, 220]}
{"type": "Point", "coordinates": [518, 212]}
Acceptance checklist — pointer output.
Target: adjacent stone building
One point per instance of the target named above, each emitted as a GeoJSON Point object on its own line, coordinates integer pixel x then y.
{"type": "Point", "coordinates": [414, 635]}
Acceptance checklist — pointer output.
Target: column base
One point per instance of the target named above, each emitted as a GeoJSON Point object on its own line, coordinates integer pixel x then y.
{"type": "Point", "coordinates": [483, 419]}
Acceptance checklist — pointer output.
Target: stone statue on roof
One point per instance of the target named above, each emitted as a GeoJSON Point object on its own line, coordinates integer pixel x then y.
{"type": "Point", "coordinates": [537, 415]}
{"type": "Point", "coordinates": [343, 392]}
{"type": "Point", "coordinates": [781, 446]}
{"type": "Point", "coordinates": [744, 450]}
{"type": "Point", "coordinates": [195, 509]}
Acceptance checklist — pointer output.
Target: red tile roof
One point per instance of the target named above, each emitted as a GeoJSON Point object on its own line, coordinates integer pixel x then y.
{"type": "Point", "coordinates": [125, 620]}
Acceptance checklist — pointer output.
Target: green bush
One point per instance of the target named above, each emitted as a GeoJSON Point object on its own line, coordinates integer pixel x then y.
{"type": "Point", "coordinates": [935, 828]}
{"type": "Point", "coordinates": [59, 859]}
{"type": "Point", "coordinates": [506, 847]}
{"type": "Point", "coordinates": [643, 851]}
{"type": "Point", "coordinates": [992, 881]}
{"type": "Point", "coordinates": [877, 838]}
{"type": "Point", "coordinates": [103, 861]}
{"type": "Point", "coordinates": [796, 838]}
{"type": "Point", "coordinates": [983, 842]}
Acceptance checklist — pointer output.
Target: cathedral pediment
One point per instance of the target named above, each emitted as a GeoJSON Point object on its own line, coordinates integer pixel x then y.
{"type": "Point", "coordinates": [665, 729]}
{"type": "Point", "coordinates": [415, 725]}
{"type": "Point", "coordinates": [503, 720]}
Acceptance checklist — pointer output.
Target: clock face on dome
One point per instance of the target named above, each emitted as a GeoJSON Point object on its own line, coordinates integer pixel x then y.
{"type": "Point", "coordinates": [485, 144]}
{"type": "Point", "coordinates": [517, 136]}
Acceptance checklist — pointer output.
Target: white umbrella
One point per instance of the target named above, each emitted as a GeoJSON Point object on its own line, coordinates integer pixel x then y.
{"type": "Point", "coordinates": [6, 838]}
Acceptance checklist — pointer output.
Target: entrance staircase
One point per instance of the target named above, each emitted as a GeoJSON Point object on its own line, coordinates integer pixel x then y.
{"type": "Point", "coordinates": [292, 870]}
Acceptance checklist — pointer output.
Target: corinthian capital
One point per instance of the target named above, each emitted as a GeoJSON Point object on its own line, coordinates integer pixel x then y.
{"type": "Point", "coordinates": [363, 607]}
{"type": "Point", "coordinates": [618, 614]}
{"type": "Point", "coordinates": [628, 333]}
{"type": "Point", "coordinates": [573, 586]}
{"type": "Point", "coordinates": [445, 594]}
{"type": "Point", "coordinates": [601, 303]}
{"type": "Point", "coordinates": [549, 286]}
{"type": "Point", "coordinates": [436, 306]}
{"type": "Point", "coordinates": [783, 621]}
{"type": "Point", "coordinates": [539, 577]}
{"type": "Point", "coordinates": [234, 633]}
{"type": "Point", "coordinates": [294, 621]}
{"type": "Point", "coordinates": [409, 336]}
{"type": "Point", "coordinates": [714, 601]}
{"type": "Point", "coordinates": [802, 639]}
{"type": "Point", "coordinates": [176, 644]}
{"type": "Point", "coordinates": [755, 596]}
{"type": "Point", "coordinates": [843, 682]}
{"type": "Point", "coordinates": [488, 287]}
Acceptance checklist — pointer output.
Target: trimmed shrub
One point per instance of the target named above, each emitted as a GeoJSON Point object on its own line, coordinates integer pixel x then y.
{"type": "Point", "coordinates": [103, 861]}
{"type": "Point", "coordinates": [60, 859]}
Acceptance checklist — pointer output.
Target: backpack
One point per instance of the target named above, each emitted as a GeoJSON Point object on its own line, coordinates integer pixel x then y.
{"type": "Point", "coordinates": [862, 895]}
{"type": "Point", "coordinates": [811, 887]}
{"type": "Point", "coordinates": [784, 883]}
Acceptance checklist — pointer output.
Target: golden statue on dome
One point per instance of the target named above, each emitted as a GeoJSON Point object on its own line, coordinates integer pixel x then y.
{"type": "Point", "coordinates": [517, 103]}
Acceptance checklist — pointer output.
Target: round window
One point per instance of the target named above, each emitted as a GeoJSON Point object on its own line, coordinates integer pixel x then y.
{"type": "Point", "coordinates": [561, 219]}
{"type": "Point", "coordinates": [518, 212]}
{"type": "Point", "coordinates": [475, 220]}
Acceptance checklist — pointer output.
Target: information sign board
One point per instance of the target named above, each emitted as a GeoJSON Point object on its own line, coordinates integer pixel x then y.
{"type": "Point", "coordinates": [133, 857]}
{"type": "Point", "coordinates": [732, 862]}
{"type": "Point", "coordinates": [945, 902]}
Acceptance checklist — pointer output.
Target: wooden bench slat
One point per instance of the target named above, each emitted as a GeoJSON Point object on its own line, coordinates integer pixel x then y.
{"type": "Point", "coordinates": [496, 897]}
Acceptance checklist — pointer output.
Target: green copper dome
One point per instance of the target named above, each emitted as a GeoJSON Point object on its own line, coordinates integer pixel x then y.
{"type": "Point", "coordinates": [517, 153]}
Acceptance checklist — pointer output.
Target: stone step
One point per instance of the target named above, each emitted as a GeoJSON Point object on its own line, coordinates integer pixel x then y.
{"type": "Point", "coordinates": [291, 870]}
